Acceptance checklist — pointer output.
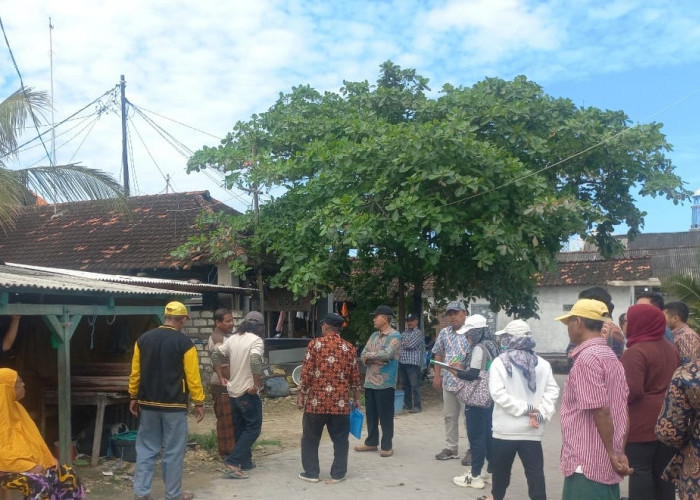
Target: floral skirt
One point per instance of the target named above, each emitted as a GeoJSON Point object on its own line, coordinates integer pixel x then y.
{"type": "Point", "coordinates": [56, 484]}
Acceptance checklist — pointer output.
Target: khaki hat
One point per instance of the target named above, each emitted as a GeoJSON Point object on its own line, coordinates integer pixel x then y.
{"type": "Point", "coordinates": [175, 309]}
{"type": "Point", "coordinates": [587, 308]}
{"type": "Point", "coordinates": [516, 328]}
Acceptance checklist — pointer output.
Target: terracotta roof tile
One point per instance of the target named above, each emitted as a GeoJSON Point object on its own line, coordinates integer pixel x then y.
{"type": "Point", "coordinates": [93, 236]}
{"type": "Point", "coordinates": [597, 272]}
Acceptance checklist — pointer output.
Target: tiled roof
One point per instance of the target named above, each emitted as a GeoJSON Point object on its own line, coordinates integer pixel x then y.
{"type": "Point", "coordinates": [597, 272]}
{"type": "Point", "coordinates": [96, 236]}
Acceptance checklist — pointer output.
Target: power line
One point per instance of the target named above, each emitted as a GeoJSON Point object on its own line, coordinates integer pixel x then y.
{"type": "Point", "coordinates": [180, 123]}
{"type": "Point", "coordinates": [24, 91]}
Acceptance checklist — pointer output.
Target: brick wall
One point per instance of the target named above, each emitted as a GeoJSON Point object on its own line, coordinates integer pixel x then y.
{"type": "Point", "coordinates": [199, 328]}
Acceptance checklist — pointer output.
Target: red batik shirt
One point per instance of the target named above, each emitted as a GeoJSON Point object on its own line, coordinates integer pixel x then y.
{"type": "Point", "coordinates": [329, 374]}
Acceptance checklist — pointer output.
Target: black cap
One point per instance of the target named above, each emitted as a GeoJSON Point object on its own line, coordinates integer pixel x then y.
{"type": "Point", "coordinates": [385, 310]}
{"type": "Point", "coordinates": [411, 316]}
{"type": "Point", "coordinates": [333, 320]}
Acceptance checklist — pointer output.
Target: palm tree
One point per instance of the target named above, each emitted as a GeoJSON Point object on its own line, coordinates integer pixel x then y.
{"type": "Point", "coordinates": [58, 183]}
{"type": "Point", "coordinates": [686, 289]}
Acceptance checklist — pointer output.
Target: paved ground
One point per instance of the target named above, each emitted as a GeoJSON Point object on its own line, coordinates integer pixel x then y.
{"type": "Point", "coordinates": [411, 473]}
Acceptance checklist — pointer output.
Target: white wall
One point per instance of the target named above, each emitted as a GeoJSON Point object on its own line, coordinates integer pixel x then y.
{"type": "Point", "coordinates": [551, 335]}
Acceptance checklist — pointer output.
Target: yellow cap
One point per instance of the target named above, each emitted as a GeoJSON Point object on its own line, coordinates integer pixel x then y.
{"type": "Point", "coordinates": [176, 309]}
{"type": "Point", "coordinates": [587, 308]}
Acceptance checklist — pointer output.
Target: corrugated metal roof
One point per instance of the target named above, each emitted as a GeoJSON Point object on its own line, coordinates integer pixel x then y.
{"type": "Point", "coordinates": [145, 281]}
{"type": "Point", "coordinates": [17, 278]}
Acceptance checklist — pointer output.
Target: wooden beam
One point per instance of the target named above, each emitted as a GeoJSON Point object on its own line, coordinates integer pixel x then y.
{"type": "Point", "coordinates": [83, 310]}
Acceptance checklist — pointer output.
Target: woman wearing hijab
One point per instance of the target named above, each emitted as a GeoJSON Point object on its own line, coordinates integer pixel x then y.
{"type": "Point", "coordinates": [484, 349]}
{"type": "Point", "coordinates": [649, 363]}
{"type": "Point", "coordinates": [524, 395]}
{"type": "Point", "coordinates": [26, 464]}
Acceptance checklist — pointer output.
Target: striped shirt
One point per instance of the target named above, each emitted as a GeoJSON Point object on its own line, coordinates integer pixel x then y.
{"type": "Point", "coordinates": [596, 380]}
{"type": "Point", "coordinates": [412, 347]}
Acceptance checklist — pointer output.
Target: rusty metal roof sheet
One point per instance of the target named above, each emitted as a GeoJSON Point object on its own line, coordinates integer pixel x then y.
{"type": "Point", "coordinates": [15, 278]}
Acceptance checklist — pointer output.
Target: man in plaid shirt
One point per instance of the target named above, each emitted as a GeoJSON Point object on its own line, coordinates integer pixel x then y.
{"type": "Point", "coordinates": [410, 363]}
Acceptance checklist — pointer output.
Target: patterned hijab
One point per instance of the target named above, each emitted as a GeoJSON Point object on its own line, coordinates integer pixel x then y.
{"type": "Point", "coordinates": [22, 446]}
{"type": "Point", "coordinates": [485, 338]}
{"type": "Point", "coordinates": [521, 354]}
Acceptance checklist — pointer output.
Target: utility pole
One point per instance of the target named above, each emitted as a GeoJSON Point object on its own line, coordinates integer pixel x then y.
{"type": "Point", "coordinates": [125, 161]}
{"type": "Point", "coordinates": [53, 121]}
{"type": "Point", "coordinates": [256, 209]}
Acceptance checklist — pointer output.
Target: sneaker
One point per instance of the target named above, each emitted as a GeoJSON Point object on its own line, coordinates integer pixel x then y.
{"type": "Point", "coordinates": [486, 476]}
{"type": "Point", "coordinates": [447, 454]}
{"type": "Point", "coordinates": [467, 460]}
{"type": "Point", "coordinates": [469, 481]}
{"type": "Point", "coordinates": [365, 447]}
{"type": "Point", "coordinates": [386, 453]}
{"type": "Point", "coordinates": [305, 477]}
{"type": "Point", "coordinates": [414, 410]}
{"type": "Point", "coordinates": [335, 480]}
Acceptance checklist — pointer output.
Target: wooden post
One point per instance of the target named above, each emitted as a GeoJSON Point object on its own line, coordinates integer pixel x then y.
{"type": "Point", "coordinates": [64, 328]}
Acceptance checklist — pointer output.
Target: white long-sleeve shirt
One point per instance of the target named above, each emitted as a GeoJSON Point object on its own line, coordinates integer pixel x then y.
{"type": "Point", "coordinates": [511, 397]}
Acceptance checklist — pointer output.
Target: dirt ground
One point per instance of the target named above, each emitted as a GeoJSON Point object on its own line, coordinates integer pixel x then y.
{"type": "Point", "coordinates": [281, 431]}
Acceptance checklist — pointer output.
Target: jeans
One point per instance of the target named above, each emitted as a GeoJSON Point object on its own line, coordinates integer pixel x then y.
{"type": "Point", "coordinates": [649, 461]}
{"type": "Point", "coordinates": [338, 429]}
{"type": "Point", "coordinates": [410, 379]}
{"type": "Point", "coordinates": [502, 456]}
{"type": "Point", "coordinates": [160, 429]}
{"type": "Point", "coordinates": [247, 423]}
{"type": "Point", "coordinates": [380, 410]}
{"type": "Point", "coordinates": [479, 433]}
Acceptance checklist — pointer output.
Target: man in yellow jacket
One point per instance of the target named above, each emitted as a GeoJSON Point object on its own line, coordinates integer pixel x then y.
{"type": "Point", "coordinates": [164, 374]}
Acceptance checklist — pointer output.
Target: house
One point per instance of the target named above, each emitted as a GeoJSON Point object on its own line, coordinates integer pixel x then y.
{"type": "Point", "coordinates": [645, 263]}
{"type": "Point", "coordinates": [70, 322]}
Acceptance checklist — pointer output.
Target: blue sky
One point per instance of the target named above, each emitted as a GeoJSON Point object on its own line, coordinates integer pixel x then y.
{"type": "Point", "coordinates": [208, 64]}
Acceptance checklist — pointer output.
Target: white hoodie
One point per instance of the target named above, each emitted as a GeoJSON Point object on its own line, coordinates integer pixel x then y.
{"type": "Point", "coordinates": [511, 397]}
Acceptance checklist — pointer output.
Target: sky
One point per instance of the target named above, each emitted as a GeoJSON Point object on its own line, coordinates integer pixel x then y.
{"type": "Point", "coordinates": [196, 68]}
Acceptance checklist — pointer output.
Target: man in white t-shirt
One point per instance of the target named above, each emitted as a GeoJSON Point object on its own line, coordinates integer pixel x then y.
{"type": "Point", "coordinates": [244, 350]}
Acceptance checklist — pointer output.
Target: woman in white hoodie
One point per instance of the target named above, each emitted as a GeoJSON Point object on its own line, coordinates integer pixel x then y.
{"type": "Point", "coordinates": [524, 394]}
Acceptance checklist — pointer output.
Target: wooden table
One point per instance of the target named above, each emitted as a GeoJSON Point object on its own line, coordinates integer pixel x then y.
{"type": "Point", "coordinates": [87, 398]}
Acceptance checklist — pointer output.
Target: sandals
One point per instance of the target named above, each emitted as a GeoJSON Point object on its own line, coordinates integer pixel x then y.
{"type": "Point", "coordinates": [485, 497]}
{"type": "Point", "coordinates": [235, 473]}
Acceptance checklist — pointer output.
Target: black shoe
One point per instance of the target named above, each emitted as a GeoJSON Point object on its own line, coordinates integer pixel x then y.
{"type": "Point", "coordinates": [305, 477]}
{"type": "Point", "coordinates": [467, 460]}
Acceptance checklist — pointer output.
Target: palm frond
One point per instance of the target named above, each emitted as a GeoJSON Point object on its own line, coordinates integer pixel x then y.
{"type": "Point", "coordinates": [686, 289]}
{"type": "Point", "coordinates": [14, 113]}
{"type": "Point", "coordinates": [72, 182]}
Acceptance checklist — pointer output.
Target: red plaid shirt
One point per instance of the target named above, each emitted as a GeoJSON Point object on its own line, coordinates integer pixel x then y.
{"type": "Point", "coordinates": [328, 375]}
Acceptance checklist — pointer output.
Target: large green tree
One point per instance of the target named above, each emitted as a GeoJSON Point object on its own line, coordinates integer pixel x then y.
{"type": "Point", "coordinates": [53, 183]}
{"type": "Point", "coordinates": [475, 189]}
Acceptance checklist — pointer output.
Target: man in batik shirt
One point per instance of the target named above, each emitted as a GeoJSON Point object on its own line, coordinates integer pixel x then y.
{"type": "Point", "coordinates": [329, 378]}
{"type": "Point", "coordinates": [685, 338]}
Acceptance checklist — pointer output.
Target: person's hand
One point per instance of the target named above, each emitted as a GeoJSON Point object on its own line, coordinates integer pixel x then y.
{"type": "Point", "coordinates": [223, 381]}
{"type": "Point", "coordinates": [356, 404]}
{"type": "Point", "coordinates": [437, 382]}
{"type": "Point", "coordinates": [252, 390]}
{"type": "Point", "coordinates": [37, 469]}
{"type": "Point", "coordinates": [300, 400]}
{"type": "Point", "coordinates": [199, 413]}
{"type": "Point", "coordinates": [620, 464]}
{"type": "Point", "coordinates": [534, 422]}
{"type": "Point", "coordinates": [134, 407]}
